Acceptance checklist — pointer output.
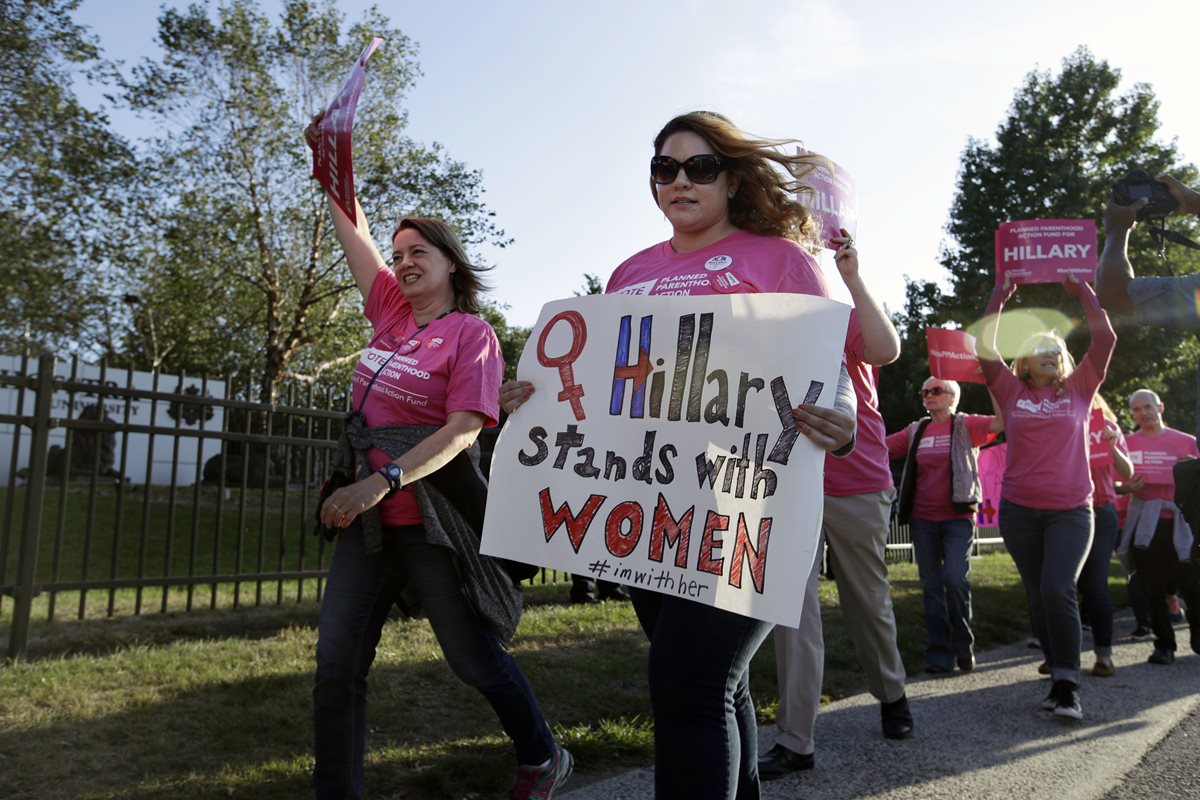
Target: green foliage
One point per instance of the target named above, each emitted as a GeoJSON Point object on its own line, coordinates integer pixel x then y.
{"type": "Point", "coordinates": [1065, 139]}
{"type": "Point", "coordinates": [512, 338]}
{"type": "Point", "coordinates": [64, 177]}
{"type": "Point", "coordinates": [238, 267]}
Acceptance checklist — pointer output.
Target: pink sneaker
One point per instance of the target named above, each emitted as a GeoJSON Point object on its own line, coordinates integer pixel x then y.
{"type": "Point", "coordinates": [539, 783]}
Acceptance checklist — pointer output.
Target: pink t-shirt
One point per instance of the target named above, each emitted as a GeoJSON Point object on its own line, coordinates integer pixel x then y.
{"type": "Point", "coordinates": [1154, 456]}
{"type": "Point", "coordinates": [1047, 436]}
{"type": "Point", "coordinates": [741, 263]}
{"type": "Point", "coordinates": [453, 364]}
{"type": "Point", "coordinates": [1103, 475]}
{"type": "Point", "coordinates": [866, 468]}
{"type": "Point", "coordinates": [932, 493]}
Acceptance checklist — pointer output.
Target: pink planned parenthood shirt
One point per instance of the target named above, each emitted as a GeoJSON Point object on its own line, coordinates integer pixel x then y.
{"type": "Point", "coordinates": [741, 263]}
{"type": "Point", "coordinates": [866, 468]}
{"type": "Point", "coordinates": [453, 364]}
{"type": "Point", "coordinates": [1155, 456]}
{"type": "Point", "coordinates": [1047, 437]}
{"type": "Point", "coordinates": [932, 492]}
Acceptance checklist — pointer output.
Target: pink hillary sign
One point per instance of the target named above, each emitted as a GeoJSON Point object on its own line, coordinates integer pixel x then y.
{"type": "Point", "coordinates": [952, 355]}
{"type": "Point", "coordinates": [1099, 451]}
{"type": "Point", "coordinates": [1046, 250]}
{"type": "Point", "coordinates": [833, 201]}
{"type": "Point", "coordinates": [332, 166]}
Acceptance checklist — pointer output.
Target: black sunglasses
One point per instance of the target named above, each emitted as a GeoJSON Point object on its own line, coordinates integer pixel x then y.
{"type": "Point", "coordinates": [933, 391]}
{"type": "Point", "coordinates": [699, 169]}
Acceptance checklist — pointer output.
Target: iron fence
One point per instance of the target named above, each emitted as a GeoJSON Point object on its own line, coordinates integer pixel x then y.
{"type": "Point", "coordinates": [127, 491]}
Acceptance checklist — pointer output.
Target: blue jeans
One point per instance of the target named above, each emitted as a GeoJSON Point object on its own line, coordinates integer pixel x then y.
{"type": "Point", "coordinates": [1049, 548]}
{"type": "Point", "coordinates": [1093, 580]}
{"type": "Point", "coordinates": [942, 549]}
{"type": "Point", "coordinates": [705, 731]}
{"type": "Point", "coordinates": [359, 594]}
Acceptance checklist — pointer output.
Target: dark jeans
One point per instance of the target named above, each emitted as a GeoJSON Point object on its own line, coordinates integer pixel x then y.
{"type": "Point", "coordinates": [705, 732]}
{"type": "Point", "coordinates": [1161, 574]}
{"type": "Point", "coordinates": [943, 549]}
{"type": "Point", "coordinates": [1049, 548]}
{"type": "Point", "coordinates": [359, 594]}
{"type": "Point", "coordinates": [1093, 579]}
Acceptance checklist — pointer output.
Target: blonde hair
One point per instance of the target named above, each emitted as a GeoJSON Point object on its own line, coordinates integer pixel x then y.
{"type": "Point", "coordinates": [764, 202]}
{"type": "Point", "coordinates": [1026, 351]}
{"type": "Point", "coordinates": [1106, 411]}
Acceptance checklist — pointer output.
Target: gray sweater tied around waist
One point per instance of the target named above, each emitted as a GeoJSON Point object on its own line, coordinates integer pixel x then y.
{"type": "Point", "coordinates": [451, 505]}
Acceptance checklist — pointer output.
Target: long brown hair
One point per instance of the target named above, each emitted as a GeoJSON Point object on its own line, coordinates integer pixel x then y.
{"type": "Point", "coordinates": [765, 201]}
{"type": "Point", "coordinates": [467, 278]}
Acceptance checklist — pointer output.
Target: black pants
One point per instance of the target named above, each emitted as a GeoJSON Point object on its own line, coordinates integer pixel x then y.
{"type": "Point", "coordinates": [1162, 572]}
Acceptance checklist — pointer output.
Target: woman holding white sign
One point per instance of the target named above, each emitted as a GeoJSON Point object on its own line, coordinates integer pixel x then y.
{"type": "Point", "coordinates": [736, 228]}
{"type": "Point", "coordinates": [1046, 504]}
{"type": "Point", "coordinates": [409, 518]}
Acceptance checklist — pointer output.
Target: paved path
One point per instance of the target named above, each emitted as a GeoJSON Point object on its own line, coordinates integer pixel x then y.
{"type": "Point", "coordinates": [983, 735]}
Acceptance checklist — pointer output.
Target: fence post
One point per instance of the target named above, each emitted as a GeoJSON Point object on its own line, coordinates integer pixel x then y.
{"type": "Point", "coordinates": [34, 494]}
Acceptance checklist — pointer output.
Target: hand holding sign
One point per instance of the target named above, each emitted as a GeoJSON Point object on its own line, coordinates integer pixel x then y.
{"type": "Point", "coordinates": [952, 355]}
{"type": "Point", "coordinates": [832, 202]}
{"type": "Point", "coordinates": [329, 136]}
{"type": "Point", "coordinates": [1045, 250]}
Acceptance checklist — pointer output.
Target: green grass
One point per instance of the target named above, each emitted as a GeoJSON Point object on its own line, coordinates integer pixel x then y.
{"type": "Point", "coordinates": [217, 703]}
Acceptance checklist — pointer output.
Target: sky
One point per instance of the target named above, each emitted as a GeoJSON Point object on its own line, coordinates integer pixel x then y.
{"type": "Point", "coordinates": [557, 104]}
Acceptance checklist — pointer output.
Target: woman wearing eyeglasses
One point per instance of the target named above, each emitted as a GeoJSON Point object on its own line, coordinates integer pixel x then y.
{"type": "Point", "coordinates": [1046, 505]}
{"type": "Point", "coordinates": [939, 493]}
{"type": "Point", "coordinates": [736, 228]}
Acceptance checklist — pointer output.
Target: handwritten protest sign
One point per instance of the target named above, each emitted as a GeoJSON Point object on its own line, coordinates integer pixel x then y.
{"type": "Point", "coordinates": [659, 450]}
{"type": "Point", "coordinates": [1046, 250]}
{"type": "Point", "coordinates": [1099, 451]}
{"type": "Point", "coordinates": [952, 355]}
{"type": "Point", "coordinates": [332, 163]}
{"type": "Point", "coordinates": [833, 201]}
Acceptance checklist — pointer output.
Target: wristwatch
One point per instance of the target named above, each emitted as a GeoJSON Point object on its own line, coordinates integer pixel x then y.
{"type": "Point", "coordinates": [393, 475]}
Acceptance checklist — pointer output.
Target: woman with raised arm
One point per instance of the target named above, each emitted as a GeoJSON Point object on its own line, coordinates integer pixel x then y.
{"type": "Point", "coordinates": [730, 199]}
{"type": "Point", "coordinates": [1046, 504]}
{"type": "Point", "coordinates": [408, 525]}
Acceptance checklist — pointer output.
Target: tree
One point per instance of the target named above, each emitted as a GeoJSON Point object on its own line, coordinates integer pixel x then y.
{"type": "Point", "coordinates": [64, 175]}
{"type": "Point", "coordinates": [1066, 138]}
{"type": "Point", "coordinates": [239, 267]}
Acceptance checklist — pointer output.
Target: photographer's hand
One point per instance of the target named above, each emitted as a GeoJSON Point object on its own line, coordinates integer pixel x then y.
{"type": "Point", "coordinates": [1188, 199]}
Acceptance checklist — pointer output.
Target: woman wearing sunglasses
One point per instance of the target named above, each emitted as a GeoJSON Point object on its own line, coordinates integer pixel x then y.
{"type": "Point", "coordinates": [736, 228]}
{"type": "Point", "coordinates": [1046, 505]}
{"type": "Point", "coordinates": [939, 493]}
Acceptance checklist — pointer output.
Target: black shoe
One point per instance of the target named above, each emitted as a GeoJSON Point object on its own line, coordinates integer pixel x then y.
{"type": "Point", "coordinates": [1161, 656]}
{"type": "Point", "coordinates": [1141, 634]}
{"type": "Point", "coordinates": [780, 761]}
{"type": "Point", "coordinates": [1067, 700]}
{"type": "Point", "coordinates": [897, 719]}
{"type": "Point", "coordinates": [618, 593]}
{"type": "Point", "coordinates": [584, 599]}
{"type": "Point", "coordinates": [934, 669]}
{"type": "Point", "coordinates": [966, 663]}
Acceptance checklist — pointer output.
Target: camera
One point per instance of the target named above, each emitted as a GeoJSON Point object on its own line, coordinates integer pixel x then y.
{"type": "Point", "coordinates": [1138, 184]}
